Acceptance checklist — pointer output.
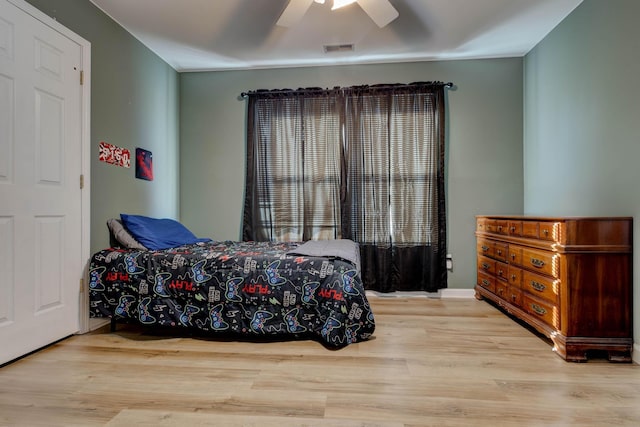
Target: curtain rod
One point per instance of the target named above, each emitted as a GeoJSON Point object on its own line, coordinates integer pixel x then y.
{"type": "Point", "coordinates": [448, 85]}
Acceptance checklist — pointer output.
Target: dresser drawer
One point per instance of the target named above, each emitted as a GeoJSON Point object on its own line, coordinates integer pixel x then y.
{"type": "Point", "coordinates": [530, 229]}
{"type": "Point", "coordinates": [514, 276]}
{"type": "Point", "coordinates": [540, 286]}
{"type": "Point", "coordinates": [515, 254]}
{"type": "Point", "coordinates": [502, 270]}
{"type": "Point", "coordinates": [502, 227]}
{"type": "Point", "coordinates": [543, 230]}
{"type": "Point", "coordinates": [500, 250]}
{"type": "Point", "coordinates": [485, 247]}
{"type": "Point", "coordinates": [490, 225]}
{"type": "Point", "coordinates": [502, 290]}
{"type": "Point", "coordinates": [486, 281]}
{"type": "Point", "coordinates": [487, 265]}
{"type": "Point", "coordinates": [515, 228]}
{"type": "Point", "coordinates": [515, 296]}
{"type": "Point", "coordinates": [543, 310]}
{"type": "Point", "coordinates": [540, 261]}
{"type": "Point", "coordinates": [547, 231]}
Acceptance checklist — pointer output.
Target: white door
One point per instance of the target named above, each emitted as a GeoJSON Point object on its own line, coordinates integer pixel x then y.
{"type": "Point", "coordinates": [41, 160]}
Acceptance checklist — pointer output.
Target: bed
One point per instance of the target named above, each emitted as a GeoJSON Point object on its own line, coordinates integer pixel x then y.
{"type": "Point", "coordinates": [247, 289]}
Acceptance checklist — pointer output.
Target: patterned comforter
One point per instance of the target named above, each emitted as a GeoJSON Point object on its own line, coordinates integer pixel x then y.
{"type": "Point", "coordinates": [248, 288]}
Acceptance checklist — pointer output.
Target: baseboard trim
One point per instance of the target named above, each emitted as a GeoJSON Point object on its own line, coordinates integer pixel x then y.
{"type": "Point", "coordinates": [97, 323]}
{"type": "Point", "coordinates": [403, 294]}
{"type": "Point", "coordinates": [457, 293]}
{"type": "Point", "coordinates": [635, 354]}
{"type": "Point", "coordinates": [442, 293]}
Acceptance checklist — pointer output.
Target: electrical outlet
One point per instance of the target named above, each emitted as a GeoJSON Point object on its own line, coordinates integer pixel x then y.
{"type": "Point", "coordinates": [449, 262]}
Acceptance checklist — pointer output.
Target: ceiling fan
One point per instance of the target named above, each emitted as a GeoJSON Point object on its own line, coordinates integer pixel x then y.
{"type": "Point", "coordinates": [380, 11]}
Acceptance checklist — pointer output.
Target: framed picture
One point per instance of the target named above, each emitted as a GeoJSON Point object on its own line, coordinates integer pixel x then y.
{"type": "Point", "coordinates": [114, 155]}
{"type": "Point", "coordinates": [144, 164]}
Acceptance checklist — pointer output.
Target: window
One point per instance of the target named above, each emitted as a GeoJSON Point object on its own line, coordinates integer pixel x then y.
{"type": "Point", "coordinates": [364, 163]}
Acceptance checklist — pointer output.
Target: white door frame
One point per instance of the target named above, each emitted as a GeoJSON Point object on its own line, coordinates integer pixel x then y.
{"type": "Point", "coordinates": [85, 46]}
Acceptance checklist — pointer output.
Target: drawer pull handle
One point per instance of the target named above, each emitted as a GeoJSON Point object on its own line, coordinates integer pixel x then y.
{"type": "Point", "coordinates": [513, 229]}
{"type": "Point", "coordinates": [485, 282]}
{"type": "Point", "coordinates": [537, 262]}
{"type": "Point", "coordinates": [501, 273]}
{"type": "Point", "coordinates": [486, 266]}
{"type": "Point", "coordinates": [513, 256]}
{"type": "Point", "coordinates": [538, 286]}
{"type": "Point", "coordinates": [514, 277]}
{"type": "Point", "coordinates": [485, 248]}
{"type": "Point", "coordinates": [539, 310]}
{"type": "Point", "coordinates": [499, 228]}
{"type": "Point", "coordinates": [514, 297]}
{"type": "Point", "coordinates": [499, 252]}
{"type": "Point", "coordinates": [545, 232]}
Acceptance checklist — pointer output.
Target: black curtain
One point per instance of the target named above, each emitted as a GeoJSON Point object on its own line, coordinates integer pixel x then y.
{"type": "Point", "coordinates": [364, 163]}
{"type": "Point", "coordinates": [293, 173]}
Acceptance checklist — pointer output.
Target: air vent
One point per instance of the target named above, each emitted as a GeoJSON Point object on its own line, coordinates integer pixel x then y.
{"type": "Point", "coordinates": [333, 48]}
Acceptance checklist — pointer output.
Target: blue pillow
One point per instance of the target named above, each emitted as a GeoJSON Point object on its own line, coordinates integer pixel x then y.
{"type": "Point", "coordinates": [156, 234]}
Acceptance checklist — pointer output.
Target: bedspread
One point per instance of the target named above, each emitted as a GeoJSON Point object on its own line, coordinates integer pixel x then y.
{"type": "Point", "coordinates": [248, 288]}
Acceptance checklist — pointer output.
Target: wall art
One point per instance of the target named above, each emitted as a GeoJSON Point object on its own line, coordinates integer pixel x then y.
{"type": "Point", "coordinates": [114, 155]}
{"type": "Point", "coordinates": [144, 164]}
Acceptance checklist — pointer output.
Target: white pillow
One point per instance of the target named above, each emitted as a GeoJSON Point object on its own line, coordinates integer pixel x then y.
{"type": "Point", "coordinates": [123, 236]}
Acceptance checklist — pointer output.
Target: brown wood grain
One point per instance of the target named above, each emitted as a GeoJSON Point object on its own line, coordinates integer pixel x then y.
{"type": "Point", "coordinates": [575, 285]}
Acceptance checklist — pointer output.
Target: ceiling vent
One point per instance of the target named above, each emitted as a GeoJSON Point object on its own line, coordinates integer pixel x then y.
{"type": "Point", "coordinates": [334, 48]}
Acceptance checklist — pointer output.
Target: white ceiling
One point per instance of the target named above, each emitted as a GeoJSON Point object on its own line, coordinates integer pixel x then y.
{"type": "Point", "coordinates": [197, 35]}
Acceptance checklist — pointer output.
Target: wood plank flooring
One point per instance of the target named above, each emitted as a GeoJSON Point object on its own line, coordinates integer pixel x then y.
{"type": "Point", "coordinates": [454, 362]}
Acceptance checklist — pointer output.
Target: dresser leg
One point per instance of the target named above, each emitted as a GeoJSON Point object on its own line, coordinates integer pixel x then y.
{"type": "Point", "coordinates": [576, 356]}
{"type": "Point", "coordinates": [577, 353]}
{"type": "Point", "coordinates": [619, 356]}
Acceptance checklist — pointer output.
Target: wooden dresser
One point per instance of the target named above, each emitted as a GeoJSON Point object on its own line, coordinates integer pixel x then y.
{"type": "Point", "coordinates": [569, 278]}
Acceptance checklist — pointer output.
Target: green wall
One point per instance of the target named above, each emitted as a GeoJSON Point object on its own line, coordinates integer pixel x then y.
{"type": "Point", "coordinates": [134, 103]}
{"type": "Point", "coordinates": [484, 142]}
{"type": "Point", "coordinates": [194, 123]}
{"type": "Point", "coordinates": [582, 120]}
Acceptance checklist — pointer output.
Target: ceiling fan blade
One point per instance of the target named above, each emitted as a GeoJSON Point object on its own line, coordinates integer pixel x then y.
{"type": "Point", "coordinates": [380, 11]}
{"type": "Point", "coordinates": [293, 12]}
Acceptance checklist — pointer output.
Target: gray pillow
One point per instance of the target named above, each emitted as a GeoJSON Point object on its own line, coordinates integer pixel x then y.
{"type": "Point", "coordinates": [123, 236]}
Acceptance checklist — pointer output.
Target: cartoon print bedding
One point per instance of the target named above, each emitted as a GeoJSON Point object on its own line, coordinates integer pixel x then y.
{"type": "Point", "coordinates": [248, 288]}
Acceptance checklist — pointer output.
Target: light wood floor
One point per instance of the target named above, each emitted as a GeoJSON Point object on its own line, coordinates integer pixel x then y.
{"type": "Point", "coordinates": [455, 362]}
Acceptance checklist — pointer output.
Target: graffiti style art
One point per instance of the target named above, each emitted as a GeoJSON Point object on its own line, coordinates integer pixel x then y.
{"type": "Point", "coordinates": [113, 155]}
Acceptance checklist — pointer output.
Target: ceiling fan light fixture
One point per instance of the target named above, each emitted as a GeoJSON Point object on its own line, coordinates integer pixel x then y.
{"type": "Point", "coordinates": [337, 4]}
{"type": "Point", "coordinates": [381, 12]}
{"type": "Point", "coordinates": [293, 12]}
